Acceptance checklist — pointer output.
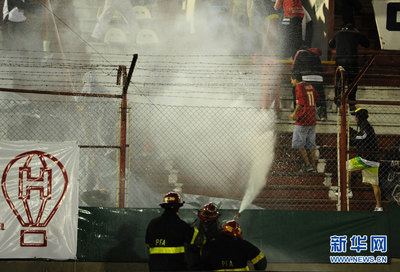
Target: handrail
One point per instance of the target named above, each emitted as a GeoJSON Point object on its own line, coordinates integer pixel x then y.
{"type": "Point", "coordinates": [360, 75]}
{"type": "Point", "coordinates": [342, 148]}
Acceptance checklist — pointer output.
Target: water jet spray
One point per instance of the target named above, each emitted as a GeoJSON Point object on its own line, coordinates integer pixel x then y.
{"type": "Point", "coordinates": [236, 217]}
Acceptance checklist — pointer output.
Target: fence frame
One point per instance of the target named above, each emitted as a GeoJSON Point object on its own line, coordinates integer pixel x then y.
{"type": "Point", "coordinates": [126, 78]}
{"type": "Point", "coordinates": [124, 105]}
{"type": "Point", "coordinates": [343, 148]}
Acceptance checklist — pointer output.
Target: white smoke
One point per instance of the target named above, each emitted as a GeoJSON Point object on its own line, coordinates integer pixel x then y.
{"type": "Point", "coordinates": [203, 115]}
{"type": "Point", "coordinates": [222, 151]}
{"type": "Point", "coordinates": [205, 119]}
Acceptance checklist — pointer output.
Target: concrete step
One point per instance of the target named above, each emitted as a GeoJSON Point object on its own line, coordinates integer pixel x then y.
{"type": "Point", "coordinates": [300, 179]}
{"type": "Point", "coordinates": [294, 192]}
{"type": "Point", "coordinates": [292, 168]}
{"type": "Point", "coordinates": [296, 204]}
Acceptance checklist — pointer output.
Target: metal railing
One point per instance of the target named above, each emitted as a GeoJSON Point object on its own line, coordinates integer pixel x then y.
{"type": "Point", "coordinates": [384, 117]}
{"type": "Point", "coordinates": [97, 121]}
{"type": "Point", "coordinates": [209, 152]}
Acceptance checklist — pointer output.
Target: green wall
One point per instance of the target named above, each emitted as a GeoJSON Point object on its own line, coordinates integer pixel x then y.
{"type": "Point", "coordinates": [284, 236]}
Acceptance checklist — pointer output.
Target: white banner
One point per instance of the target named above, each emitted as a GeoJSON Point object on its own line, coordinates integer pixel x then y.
{"type": "Point", "coordinates": [39, 200]}
{"type": "Point", "coordinates": [387, 17]}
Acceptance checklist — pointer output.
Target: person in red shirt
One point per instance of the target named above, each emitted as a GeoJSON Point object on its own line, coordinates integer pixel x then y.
{"type": "Point", "coordinates": [291, 8]}
{"type": "Point", "coordinates": [304, 114]}
{"type": "Point", "coordinates": [293, 14]}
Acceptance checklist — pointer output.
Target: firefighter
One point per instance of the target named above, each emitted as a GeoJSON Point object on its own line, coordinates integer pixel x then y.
{"type": "Point", "coordinates": [207, 221]}
{"type": "Point", "coordinates": [208, 226]}
{"type": "Point", "coordinates": [229, 252]}
{"type": "Point", "coordinates": [167, 235]}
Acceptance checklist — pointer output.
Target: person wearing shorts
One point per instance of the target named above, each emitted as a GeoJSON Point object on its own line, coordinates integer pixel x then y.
{"type": "Point", "coordinates": [369, 169]}
{"type": "Point", "coordinates": [367, 159]}
{"type": "Point", "coordinates": [304, 134]}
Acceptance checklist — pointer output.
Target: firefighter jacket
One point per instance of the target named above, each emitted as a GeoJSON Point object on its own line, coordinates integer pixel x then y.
{"type": "Point", "coordinates": [166, 236]}
{"type": "Point", "coordinates": [208, 231]}
{"type": "Point", "coordinates": [365, 141]}
{"type": "Point", "coordinates": [227, 253]}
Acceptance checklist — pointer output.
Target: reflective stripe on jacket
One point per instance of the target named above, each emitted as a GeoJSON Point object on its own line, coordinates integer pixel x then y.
{"type": "Point", "coordinates": [173, 250]}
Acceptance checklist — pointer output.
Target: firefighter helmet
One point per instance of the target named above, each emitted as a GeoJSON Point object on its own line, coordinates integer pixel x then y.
{"type": "Point", "coordinates": [232, 228]}
{"type": "Point", "coordinates": [209, 212]}
{"type": "Point", "coordinates": [172, 199]}
{"type": "Point", "coordinates": [361, 114]}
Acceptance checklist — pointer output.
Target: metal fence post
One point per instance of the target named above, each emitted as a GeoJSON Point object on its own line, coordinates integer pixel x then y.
{"type": "Point", "coordinates": [343, 129]}
{"type": "Point", "coordinates": [122, 165]}
{"type": "Point", "coordinates": [343, 144]}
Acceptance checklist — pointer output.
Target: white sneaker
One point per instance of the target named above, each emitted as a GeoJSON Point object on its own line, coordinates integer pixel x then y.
{"type": "Point", "coordinates": [349, 193]}
{"type": "Point", "coordinates": [16, 16]}
{"type": "Point", "coordinates": [378, 209]}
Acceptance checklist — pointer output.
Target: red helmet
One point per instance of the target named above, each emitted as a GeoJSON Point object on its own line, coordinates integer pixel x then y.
{"type": "Point", "coordinates": [172, 199]}
{"type": "Point", "coordinates": [232, 228]}
{"type": "Point", "coordinates": [209, 212]}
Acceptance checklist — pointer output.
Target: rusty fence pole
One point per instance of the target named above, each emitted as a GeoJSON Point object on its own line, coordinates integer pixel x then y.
{"type": "Point", "coordinates": [124, 104]}
{"type": "Point", "coordinates": [342, 142]}
{"type": "Point", "coordinates": [343, 129]}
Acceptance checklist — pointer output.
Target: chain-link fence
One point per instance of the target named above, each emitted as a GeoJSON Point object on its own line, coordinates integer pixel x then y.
{"type": "Point", "coordinates": [230, 151]}
{"type": "Point", "coordinates": [92, 123]}
{"type": "Point", "coordinates": [210, 151]}
{"type": "Point", "coordinates": [383, 125]}
{"type": "Point", "coordinates": [219, 152]}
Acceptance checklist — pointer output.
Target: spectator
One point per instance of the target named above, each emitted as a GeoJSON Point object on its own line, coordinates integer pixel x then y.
{"type": "Point", "coordinates": [122, 6]}
{"type": "Point", "coordinates": [307, 62]}
{"type": "Point", "coordinates": [304, 130]}
{"type": "Point", "coordinates": [293, 14]}
{"type": "Point", "coordinates": [208, 226]}
{"type": "Point", "coordinates": [346, 42]}
{"type": "Point", "coordinates": [230, 252]}
{"type": "Point", "coordinates": [167, 235]}
{"type": "Point", "coordinates": [367, 159]}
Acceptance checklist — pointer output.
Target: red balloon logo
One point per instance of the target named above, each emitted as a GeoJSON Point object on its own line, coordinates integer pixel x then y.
{"type": "Point", "coordinates": [33, 193]}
